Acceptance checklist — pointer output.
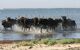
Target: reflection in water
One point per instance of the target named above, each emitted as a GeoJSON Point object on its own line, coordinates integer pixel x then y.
{"type": "Point", "coordinates": [17, 36]}
{"type": "Point", "coordinates": [39, 36]}
{"type": "Point", "coordinates": [11, 36]}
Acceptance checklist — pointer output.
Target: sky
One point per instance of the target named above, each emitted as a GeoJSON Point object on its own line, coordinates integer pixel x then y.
{"type": "Point", "coordinates": [39, 4]}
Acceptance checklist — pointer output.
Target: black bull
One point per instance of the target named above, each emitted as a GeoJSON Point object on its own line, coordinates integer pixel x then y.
{"type": "Point", "coordinates": [8, 23]}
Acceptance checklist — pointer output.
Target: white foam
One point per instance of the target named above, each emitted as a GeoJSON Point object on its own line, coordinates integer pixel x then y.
{"type": "Point", "coordinates": [17, 28]}
{"type": "Point", "coordinates": [32, 30]}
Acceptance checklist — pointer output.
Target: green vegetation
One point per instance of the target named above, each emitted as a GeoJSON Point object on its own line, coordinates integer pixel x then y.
{"type": "Point", "coordinates": [48, 41]}
{"type": "Point", "coordinates": [25, 43]}
{"type": "Point", "coordinates": [66, 41]}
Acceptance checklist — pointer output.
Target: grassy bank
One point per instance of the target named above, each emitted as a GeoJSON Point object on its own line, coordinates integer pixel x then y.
{"type": "Point", "coordinates": [47, 42]}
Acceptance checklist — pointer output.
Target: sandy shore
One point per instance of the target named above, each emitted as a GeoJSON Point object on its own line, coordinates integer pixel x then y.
{"type": "Point", "coordinates": [9, 45]}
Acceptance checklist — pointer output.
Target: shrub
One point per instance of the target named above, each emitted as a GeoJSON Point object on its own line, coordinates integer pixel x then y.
{"type": "Point", "coordinates": [53, 42]}
{"type": "Point", "coordinates": [47, 41]}
{"type": "Point", "coordinates": [24, 43]}
{"type": "Point", "coordinates": [77, 40]}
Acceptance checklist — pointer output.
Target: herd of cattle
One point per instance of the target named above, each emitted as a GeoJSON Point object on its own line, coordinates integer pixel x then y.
{"type": "Point", "coordinates": [42, 23]}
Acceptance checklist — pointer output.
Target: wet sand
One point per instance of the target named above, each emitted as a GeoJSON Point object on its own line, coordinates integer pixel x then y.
{"type": "Point", "coordinates": [11, 45]}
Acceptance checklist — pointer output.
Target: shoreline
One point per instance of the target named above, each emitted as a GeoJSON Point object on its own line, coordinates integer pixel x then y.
{"type": "Point", "coordinates": [42, 44]}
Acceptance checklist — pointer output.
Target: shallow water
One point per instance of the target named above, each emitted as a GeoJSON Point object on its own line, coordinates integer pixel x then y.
{"type": "Point", "coordinates": [18, 36]}
{"type": "Point", "coordinates": [72, 13]}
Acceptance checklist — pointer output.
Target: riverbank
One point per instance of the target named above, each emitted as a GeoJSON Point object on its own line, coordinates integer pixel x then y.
{"type": "Point", "coordinates": [41, 44]}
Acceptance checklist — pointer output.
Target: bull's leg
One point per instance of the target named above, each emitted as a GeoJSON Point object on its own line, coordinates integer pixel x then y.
{"type": "Point", "coordinates": [5, 28]}
{"type": "Point", "coordinates": [11, 28]}
{"type": "Point", "coordinates": [50, 28]}
{"type": "Point", "coordinates": [41, 30]}
{"type": "Point", "coordinates": [47, 29]}
{"type": "Point", "coordinates": [23, 29]}
{"type": "Point", "coordinates": [63, 27]}
{"type": "Point", "coordinates": [73, 28]}
{"type": "Point", "coordinates": [29, 28]}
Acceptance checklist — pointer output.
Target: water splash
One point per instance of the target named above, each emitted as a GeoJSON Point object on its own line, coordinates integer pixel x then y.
{"type": "Point", "coordinates": [32, 30]}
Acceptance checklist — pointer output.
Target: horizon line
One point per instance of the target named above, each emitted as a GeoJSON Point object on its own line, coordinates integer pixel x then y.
{"type": "Point", "coordinates": [30, 8]}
